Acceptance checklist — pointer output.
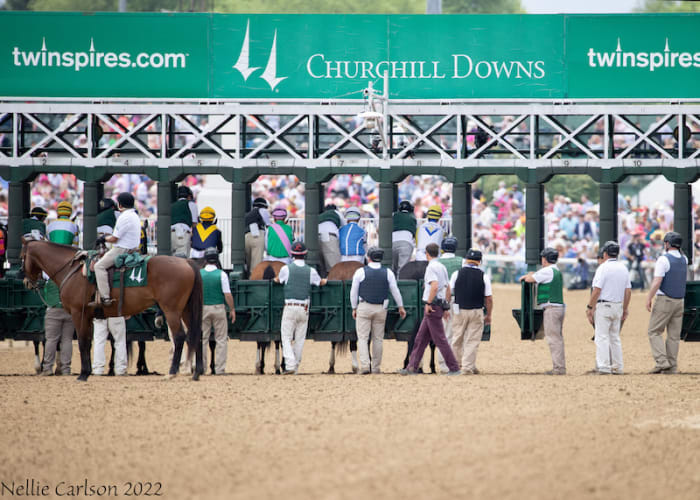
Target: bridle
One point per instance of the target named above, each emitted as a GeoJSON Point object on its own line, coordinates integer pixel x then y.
{"type": "Point", "coordinates": [36, 284]}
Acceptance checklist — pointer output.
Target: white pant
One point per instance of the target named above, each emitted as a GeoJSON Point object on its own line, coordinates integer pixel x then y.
{"type": "Point", "coordinates": [608, 347]}
{"type": "Point", "coordinates": [352, 258]}
{"type": "Point", "coordinates": [370, 322]}
{"type": "Point", "coordinates": [295, 320]}
{"type": "Point", "coordinates": [102, 328]}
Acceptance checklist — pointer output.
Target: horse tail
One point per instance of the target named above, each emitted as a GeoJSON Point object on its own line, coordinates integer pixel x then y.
{"type": "Point", "coordinates": [342, 347]}
{"type": "Point", "coordinates": [269, 273]}
{"type": "Point", "coordinates": [195, 305]}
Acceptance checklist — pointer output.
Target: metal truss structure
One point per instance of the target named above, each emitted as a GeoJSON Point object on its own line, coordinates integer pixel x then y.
{"type": "Point", "coordinates": [451, 134]}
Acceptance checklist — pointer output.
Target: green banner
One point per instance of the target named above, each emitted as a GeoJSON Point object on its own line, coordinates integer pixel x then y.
{"type": "Point", "coordinates": [216, 56]}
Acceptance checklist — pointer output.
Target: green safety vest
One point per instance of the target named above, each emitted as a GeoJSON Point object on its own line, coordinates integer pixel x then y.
{"type": "Point", "coordinates": [275, 248]}
{"type": "Point", "coordinates": [29, 225]}
{"type": "Point", "coordinates": [211, 286]}
{"type": "Point", "coordinates": [403, 221]}
{"type": "Point", "coordinates": [552, 292]}
{"type": "Point", "coordinates": [330, 216]}
{"type": "Point", "coordinates": [51, 295]}
{"type": "Point", "coordinates": [452, 264]}
{"type": "Point", "coordinates": [180, 213]}
{"type": "Point", "coordinates": [298, 285]}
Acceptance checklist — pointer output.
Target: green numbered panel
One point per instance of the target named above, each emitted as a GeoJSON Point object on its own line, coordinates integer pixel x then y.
{"type": "Point", "coordinates": [251, 300]}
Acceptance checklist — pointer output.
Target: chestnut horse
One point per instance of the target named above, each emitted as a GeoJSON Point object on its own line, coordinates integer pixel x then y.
{"type": "Point", "coordinates": [343, 271]}
{"type": "Point", "coordinates": [266, 270]}
{"type": "Point", "coordinates": [174, 283]}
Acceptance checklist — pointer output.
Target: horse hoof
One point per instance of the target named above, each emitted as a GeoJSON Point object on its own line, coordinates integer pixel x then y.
{"type": "Point", "coordinates": [331, 370]}
{"type": "Point", "coordinates": [195, 376]}
{"type": "Point", "coordinates": [355, 369]}
{"type": "Point", "coordinates": [258, 371]}
{"type": "Point", "coordinates": [37, 367]}
{"type": "Point", "coordinates": [82, 378]}
{"type": "Point", "coordinates": [170, 376]}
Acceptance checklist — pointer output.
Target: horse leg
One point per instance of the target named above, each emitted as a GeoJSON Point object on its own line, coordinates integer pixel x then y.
{"type": "Point", "coordinates": [353, 355]}
{"type": "Point", "coordinates": [260, 359]}
{"type": "Point", "coordinates": [278, 366]}
{"type": "Point", "coordinates": [179, 340]}
{"type": "Point", "coordinates": [199, 361]}
{"type": "Point", "coordinates": [141, 367]}
{"type": "Point", "coordinates": [212, 351]}
{"type": "Point", "coordinates": [37, 360]}
{"type": "Point", "coordinates": [84, 328]}
{"type": "Point", "coordinates": [331, 361]}
{"type": "Point", "coordinates": [432, 358]}
{"type": "Point", "coordinates": [110, 373]}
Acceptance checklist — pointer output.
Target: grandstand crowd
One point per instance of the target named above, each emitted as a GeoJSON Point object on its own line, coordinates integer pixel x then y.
{"type": "Point", "coordinates": [498, 217]}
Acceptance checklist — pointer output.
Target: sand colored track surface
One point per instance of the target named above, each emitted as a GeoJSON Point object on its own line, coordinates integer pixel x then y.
{"type": "Point", "coordinates": [509, 432]}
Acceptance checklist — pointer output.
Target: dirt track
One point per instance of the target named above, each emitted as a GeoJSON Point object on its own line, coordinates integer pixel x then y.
{"type": "Point", "coordinates": [507, 433]}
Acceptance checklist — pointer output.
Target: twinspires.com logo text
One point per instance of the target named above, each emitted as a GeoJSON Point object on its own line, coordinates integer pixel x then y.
{"type": "Point", "coordinates": [650, 60]}
{"type": "Point", "coordinates": [94, 59]}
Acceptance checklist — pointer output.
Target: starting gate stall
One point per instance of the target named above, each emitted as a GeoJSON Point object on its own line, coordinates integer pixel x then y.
{"type": "Point", "coordinates": [388, 105]}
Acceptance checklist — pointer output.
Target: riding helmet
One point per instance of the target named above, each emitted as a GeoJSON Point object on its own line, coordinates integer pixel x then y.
{"type": "Point", "coordinates": [474, 254]}
{"type": "Point", "coordinates": [434, 212]}
{"type": "Point", "coordinates": [298, 249]}
{"type": "Point", "coordinates": [126, 200]}
{"type": "Point", "coordinates": [352, 213]}
{"type": "Point", "coordinates": [612, 248]}
{"type": "Point", "coordinates": [107, 204]}
{"type": "Point", "coordinates": [211, 255]}
{"type": "Point", "coordinates": [449, 244]}
{"type": "Point", "coordinates": [260, 203]}
{"type": "Point", "coordinates": [279, 213]}
{"type": "Point", "coordinates": [375, 254]}
{"type": "Point", "coordinates": [674, 239]}
{"type": "Point", "coordinates": [38, 212]}
{"type": "Point", "coordinates": [207, 215]}
{"type": "Point", "coordinates": [64, 209]}
{"type": "Point", "coordinates": [184, 192]}
{"type": "Point", "coordinates": [550, 255]}
{"type": "Point", "coordinates": [406, 207]}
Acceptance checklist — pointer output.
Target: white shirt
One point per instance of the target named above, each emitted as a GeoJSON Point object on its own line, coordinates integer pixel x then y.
{"type": "Point", "coordinates": [283, 276]}
{"type": "Point", "coordinates": [359, 277]}
{"type": "Point", "coordinates": [663, 266]}
{"type": "Point", "coordinates": [487, 282]}
{"type": "Point", "coordinates": [127, 230]}
{"type": "Point", "coordinates": [225, 286]}
{"type": "Point", "coordinates": [435, 272]}
{"type": "Point", "coordinates": [613, 278]}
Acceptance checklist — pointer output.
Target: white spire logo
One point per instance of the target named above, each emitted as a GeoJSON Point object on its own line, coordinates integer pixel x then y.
{"type": "Point", "coordinates": [270, 73]}
{"type": "Point", "coordinates": [242, 65]}
{"type": "Point", "coordinates": [243, 62]}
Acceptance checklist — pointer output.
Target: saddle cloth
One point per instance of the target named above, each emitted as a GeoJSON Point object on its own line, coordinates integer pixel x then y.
{"type": "Point", "coordinates": [134, 265]}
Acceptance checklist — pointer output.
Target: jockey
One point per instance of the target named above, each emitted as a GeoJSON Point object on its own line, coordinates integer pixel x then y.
{"type": "Point", "coordinates": [63, 230]}
{"type": "Point", "coordinates": [183, 215]}
{"type": "Point", "coordinates": [125, 238]}
{"type": "Point", "coordinates": [106, 217]}
{"type": "Point", "coordinates": [106, 220]}
{"type": "Point", "coordinates": [206, 234]}
{"type": "Point", "coordinates": [403, 236]}
{"type": "Point", "coordinates": [352, 238]}
{"type": "Point", "coordinates": [34, 226]}
{"type": "Point", "coordinates": [329, 223]}
{"type": "Point", "coordinates": [256, 221]}
{"type": "Point", "coordinates": [278, 243]}
{"type": "Point", "coordinates": [429, 232]}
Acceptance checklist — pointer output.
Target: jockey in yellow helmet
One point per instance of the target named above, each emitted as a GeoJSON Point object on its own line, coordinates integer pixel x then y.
{"type": "Point", "coordinates": [429, 232]}
{"type": "Point", "coordinates": [63, 230]}
{"type": "Point", "coordinates": [205, 234]}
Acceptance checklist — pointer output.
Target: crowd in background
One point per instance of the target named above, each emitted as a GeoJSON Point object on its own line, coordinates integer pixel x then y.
{"type": "Point", "coordinates": [498, 217]}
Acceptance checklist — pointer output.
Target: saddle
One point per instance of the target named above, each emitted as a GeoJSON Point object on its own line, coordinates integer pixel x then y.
{"type": "Point", "coordinates": [129, 270]}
